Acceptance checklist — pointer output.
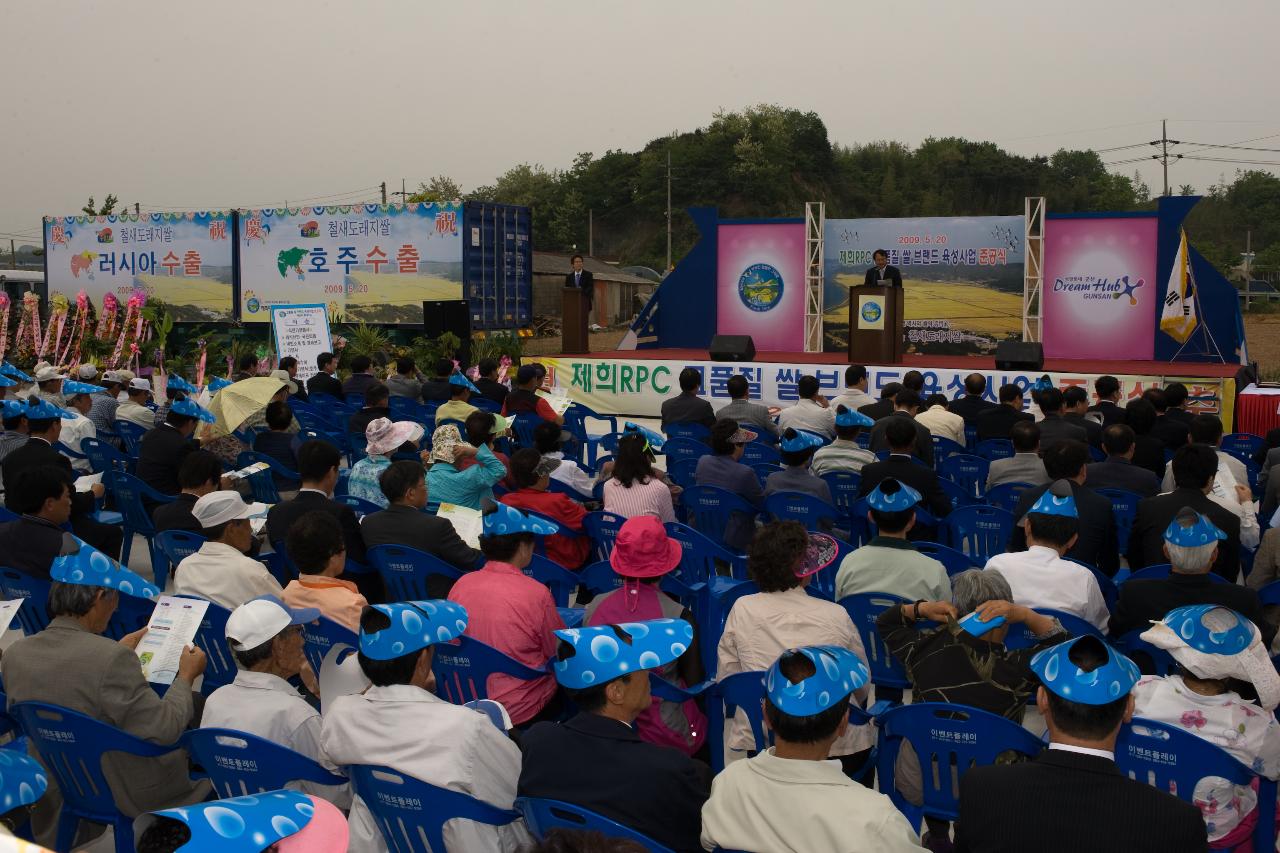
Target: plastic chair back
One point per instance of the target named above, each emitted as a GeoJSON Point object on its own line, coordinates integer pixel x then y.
{"type": "Point", "coordinates": [602, 528]}
{"type": "Point", "coordinates": [864, 608]}
{"type": "Point", "coordinates": [1162, 571]}
{"type": "Point", "coordinates": [944, 447]}
{"type": "Point", "coordinates": [542, 816]}
{"type": "Point", "coordinates": [130, 435]}
{"type": "Point", "coordinates": [1150, 660]}
{"type": "Point", "coordinates": [715, 599]}
{"type": "Point", "coordinates": [948, 739]}
{"type": "Point", "coordinates": [710, 509]}
{"type": "Point", "coordinates": [685, 448]}
{"type": "Point", "coordinates": [556, 578]}
{"type": "Point", "coordinates": [701, 557]}
{"type": "Point", "coordinates": [1006, 495]}
{"type": "Point", "coordinates": [1124, 507]}
{"type": "Point", "coordinates": [175, 545]}
{"type": "Point", "coordinates": [692, 431]}
{"type": "Point", "coordinates": [411, 814]}
{"type": "Point", "coordinates": [404, 409]}
{"type": "Point", "coordinates": [816, 515]}
{"type": "Point", "coordinates": [599, 578]}
{"type": "Point", "coordinates": [523, 426]}
{"type": "Point", "coordinates": [763, 470]}
{"type": "Point", "coordinates": [971, 437]}
{"type": "Point", "coordinates": [741, 691]}
{"type": "Point", "coordinates": [967, 470]}
{"type": "Point", "coordinates": [129, 493]}
{"type": "Point", "coordinates": [131, 614]}
{"type": "Point", "coordinates": [220, 668]}
{"type": "Point", "coordinates": [405, 570]}
{"type": "Point", "coordinates": [103, 457]}
{"type": "Point", "coordinates": [463, 669]}
{"type": "Point", "coordinates": [1020, 638]}
{"type": "Point", "coordinates": [979, 531]}
{"type": "Point", "coordinates": [956, 494]}
{"type": "Point", "coordinates": [33, 615]}
{"type": "Point", "coordinates": [321, 635]}
{"type": "Point", "coordinates": [683, 470]}
{"type": "Point", "coordinates": [992, 449]}
{"type": "Point", "coordinates": [952, 560]}
{"type": "Point", "coordinates": [240, 764]}
{"type": "Point", "coordinates": [1242, 444]}
{"type": "Point", "coordinates": [844, 486]}
{"type": "Point", "coordinates": [756, 452]}
{"type": "Point", "coordinates": [361, 506]}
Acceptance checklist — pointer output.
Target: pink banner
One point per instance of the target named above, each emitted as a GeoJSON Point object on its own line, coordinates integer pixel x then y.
{"type": "Point", "coordinates": [760, 284]}
{"type": "Point", "coordinates": [1100, 291]}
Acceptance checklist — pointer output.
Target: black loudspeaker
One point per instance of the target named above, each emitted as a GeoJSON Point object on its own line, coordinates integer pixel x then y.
{"type": "Point", "coordinates": [453, 315]}
{"type": "Point", "coordinates": [1019, 355]}
{"type": "Point", "coordinates": [732, 348]}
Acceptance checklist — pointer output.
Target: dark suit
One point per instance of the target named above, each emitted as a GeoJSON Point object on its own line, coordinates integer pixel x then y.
{"type": "Point", "coordinates": [924, 440]}
{"type": "Point", "coordinates": [903, 469]}
{"type": "Point", "coordinates": [1180, 414]}
{"type": "Point", "coordinates": [360, 421]}
{"type": "Point", "coordinates": [160, 455]}
{"type": "Point", "coordinates": [1096, 542]}
{"type": "Point", "coordinates": [891, 277]}
{"type": "Point", "coordinates": [30, 544]}
{"type": "Point", "coordinates": [324, 383]}
{"type": "Point", "coordinates": [1142, 601]}
{"type": "Point", "coordinates": [1146, 539]}
{"type": "Point", "coordinates": [495, 391]}
{"type": "Point", "coordinates": [969, 407]}
{"type": "Point", "coordinates": [1067, 802]}
{"type": "Point", "coordinates": [1173, 432]}
{"type": "Point", "coordinates": [38, 453]}
{"type": "Point", "coordinates": [583, 281]}
{"type": "Point", "coordinates": [436, 390]}
{"type": "Point", "coordinates": [282, 516]}
{"type": "Point", "coordinates": [1148, 454]}
{"type": "Point", "coordinates": [403, 525]}
{"type": "Point", "coordinates": [358, 383]}
{"type": "Point", "coordinates": [1055, 428]}
{"type": "Point", "coordinates": [1119, 473]}
{"type": "Point", "coordinates": [878, 409]}
{"type": "Point", "coordinates": [997, 422]}
{"type": "Point", "coordinates": [1092, 429]}
{"type": "Point", "coordinates": [1111, 413]}
{"type": "Point", "coordinates": [602, 765]}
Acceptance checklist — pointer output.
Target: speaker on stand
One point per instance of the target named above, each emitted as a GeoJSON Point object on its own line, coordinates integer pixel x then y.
{"type": "Point", "coordinates": [732, 348]}
{"type": "Point", "coordinates": [1020, 355]}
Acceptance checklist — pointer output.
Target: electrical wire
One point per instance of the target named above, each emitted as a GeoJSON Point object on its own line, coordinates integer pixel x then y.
{"type": "Point", "coordinates": [339, 198]}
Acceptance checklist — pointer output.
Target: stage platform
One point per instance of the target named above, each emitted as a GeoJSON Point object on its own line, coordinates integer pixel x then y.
{"type": "Point", "coordinates": [635, 382]}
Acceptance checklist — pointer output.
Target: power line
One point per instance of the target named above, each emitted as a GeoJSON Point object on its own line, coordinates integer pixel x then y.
{"type": "Point", "coordinates": [1233, 147]}
{"type": "Point", "coordinates": [1225, 160]}
{"type": "Point", "coordinates": [349, 194]}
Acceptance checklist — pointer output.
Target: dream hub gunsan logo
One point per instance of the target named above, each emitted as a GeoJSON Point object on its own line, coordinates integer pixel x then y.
{"type": "Point", "coordinates": [1095, 287]}
{"type": "Point", "coordinates": [760, 287]}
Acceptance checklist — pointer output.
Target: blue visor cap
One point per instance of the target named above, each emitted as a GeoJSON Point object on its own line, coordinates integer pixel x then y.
{"type": "Point", "coordinates": [838, 672]}
{"type": "Point", "coordinates": [1056, 500]}
{"type": "Point", "coordinates": [13, 409]}
{"type": "Point", "coordinates": [799, 441]}
{"type": "Point", "coordinates": [505, 520]}
{"type": "Point", "coordinates": [192, 409]}
{"type": "Point", "coordinates": [1190, 529]}
{"type": "Point", "coordinates": [217, 383]}
{"type": "Point", "coordinates": [82, 564]}
{"type": "Point", "coordinates": [1044, 383]}
{"type": "Point", "coordinates": [653, 440]}
{"type": "Point", "coordinates": [242, 824]}
{"type": "Point", "coordinates": [71, 388]}
{"type": "Point", "coordinates": [1188, 624]}
{"type": "Point", "coordinates": [462, 381]}
{"type": "Point", "coordinates": [600, 655]}
{"type": "Point", "coordinates": [6, 382]}
{"type": "Point", "coordinates": [22, 779]}
{"type": "Point", "coordinates": [414, 626]}
{"type": "Point", "coordinates": [890, 495]}
{"type": "Point", "coordinates": [177, 383]}
{"type": "Point", "coordinates": [42, 410]}
{"type": "Point", "coordinates": [846, 417]}
{"type": "Point", "coordinates": [1109, 682]}
{"type": "Point", "coordinates": [9, 370]}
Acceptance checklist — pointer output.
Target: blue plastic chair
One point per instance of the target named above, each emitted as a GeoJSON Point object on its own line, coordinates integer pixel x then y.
{"type": "Point", "coordinates": [129, 493]}
{"type": "Point", "coordinates": [967, 470]}
{"type": "Point", "coordinates": [33, 615]}
{"type": "Point", "coordinates": [844, 486]}
{"type": "Point", "coordinates": [575, 423]}
{"type": "Point", "coordinates": [1242, 444]}
{"type": "Point", "coordinates": [1270, 594]}
{"type": "Point", "coordinates": [979, 531]}
{"type": "Point", "coordinates": [1161, 571]}
{"type": "Point", "coordinates": [130, 435]}
{"type": "Point", "coordinates": [1150, 660]}
{"type": "Point", "coordinates": [763, 470]}
{"type": "Point", "coordinates": [240, 764]}
{"type": "Point", "coordinates": [542, 816]}
{"type": "Point", "coordinates": [361, 506]}
{"type": "Point", "coordinates": [523, 426]}
{"type": "Point", "coordinates": [71, 747]}
{"type": "Point", "coordinates": [220, 667]}
{"type": "Point", "coordinates": [683, 471]}
{"type": "Point", "coordinates": [131, 614]}
{"type": "Point", "coordinates": [952, 560]}
{"type": "Point", "coordinates": [103, 457]}
{"type": "Point", "coordinates": [405, 570]}
{"type": "Point", "coordinates": [1107, 586]}
{"type": "Point", "coordinates": [693, 431]}
{"type": "Point", "coordinates": [738, 692]}
{"type": "Point", "coordinates": [599, 578]}
{"type": "Point", "coordinates": [263, 483]}
{"type": "Point", "coordinates": [411, 814]}
{"type": "Point", "coordinates": [710, 508]}
{"type": "Point", "coordinates": [556, 578]}
{"type": "Point", "coordinates": [464, 666]}
{"type": "Point", "coordinates": [685, 448]}
{"type": "Point", "coordinates": [816, 515]}
{"type": "Point", "coordinates": [321, 635]}
{"type": "Point", "coordinates": [971, 437]}
{"type": "Point", "coordinates": [603, 529]}
{"type": "Point", "coordinates": [1124, 507]}
{"type": "Point", "coordinates": [944, 447]}
{"type": "Point", "coordinates": [992, 449]}
{"type": "Point", "coordinates": [175, 545]}
{"type": "Point", "coordinates": [947, 738]}
{"type": "Point", "coordinates": [1020, 638]}
{"type": "Point", "coordinates": [1174, 760]}
{"type": "Point", "coordinates": [702, 558]}
{"type": "Point", "coordinates": [715, 599]}
{"type": "Point", "coordinates": [756, 452]}
{"type": "Point", "coordinates": [864, 608]}
{"type": "Point", "coordinates": [404, 409]}
{"type": "Point", "coordinates": [1005, 496]}
{"type": "Point", "coordinates": [957, 495]}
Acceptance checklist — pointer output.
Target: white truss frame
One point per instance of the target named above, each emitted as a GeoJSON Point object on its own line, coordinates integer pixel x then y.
{"type": "Point", "coordinates": [1033, 266]}
{"type": "Point", "coordinates": [815, 220]}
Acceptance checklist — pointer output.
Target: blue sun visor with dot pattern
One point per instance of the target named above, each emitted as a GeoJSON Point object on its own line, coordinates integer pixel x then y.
{"type": "Point", "coordinates": [71, 388]}
{"type": "Point", "coordinates": [41, 410]}
{"type": "Point", "coordinates": [414, 626]}
{"type": "Point", "coordinates": [12, 370]}
{"type": "Point", "coordinates": [177, 383]}
{"type": "Point", "coordinates": [217, 383]}
{"type": "Point", "coordinates": [192, 409]}
{"type": "Point", "coordinates": [600, 655]}
{"type": "Point", "coordinates": [1190, 529]}
{"type": "Point", "coordinates": [242, 824]}
{"type": "Point", "coordinates": [653, 440]}
{"type": "Point", "coordinates": [81, 563]}
{"type": "Point", "coordinates": [837, 673]}
{"type": "Point", "coordinates": [1109, 682]}
{"type": "Point", "coordinates": [795, 441]}
{"type": "Point", "coordinates": [22, 779]}
{"type": "Point", "coordinates": [505, 520]}
{"type": "Point", "coordinates": [891, 495]}
{"type": "Point", "coordinates": [849, 418]}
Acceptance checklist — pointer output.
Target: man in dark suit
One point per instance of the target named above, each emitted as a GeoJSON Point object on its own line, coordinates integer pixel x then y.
{"type": "Point", "coordinates": [1075, 405]}
{"type": "Point", "coordinates": [1175, 395]}
{"type": "Point", "coordinates": [883, 406]}
{"type": "Point", "coordinates": [1053, 428]}
{"type": "Point", "coordinates": [900, 434]}
{"type": "Point", "coordinates": [1072, 797]}
{"type": "Point", "coordinates": [1096, 543]}
{"type": "Point", "coordinates": [488, 382]}
{"type": "Point", "coordinates": [1117, 471]}
{"type": "Point", "coordinates": [1194, 469]}
{"type": "Point", "coordinates": [905, 407]}
{"type": "Point", "coordinates": [404, 523]}
{"type": "Point", "coordinates": [325, 382]}
{"type": "Point", "coordinates": [1107, 390]}
{"type": "Point", "coordinates": [972, 403]}
{"type": "Point", "coordinates": [882, 273]}
{"type": "Point", "coordinates": [1173, 432]}
{"type": "Point", "coordinates": [162, 450]}
{"type": "Point", "coordinates": [376, 405]}
{"type": "Point", "coordinates": [581, 279]}
{"type": "Point", "coordinates": [34, 539]}
{"type": "Point", "coordinates": [997, 422]}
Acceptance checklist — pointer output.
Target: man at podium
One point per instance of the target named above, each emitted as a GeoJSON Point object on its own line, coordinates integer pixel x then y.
{"type": "Point", "coordinates": [882, 273]}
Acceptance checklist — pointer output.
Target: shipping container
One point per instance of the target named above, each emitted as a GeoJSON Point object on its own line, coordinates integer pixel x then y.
{"type": "Point", "coordinates": [497, 265]}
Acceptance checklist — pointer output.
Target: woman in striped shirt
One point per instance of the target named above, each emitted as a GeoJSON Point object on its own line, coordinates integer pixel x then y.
{"type": "Point", "coordinates": [635, 488]}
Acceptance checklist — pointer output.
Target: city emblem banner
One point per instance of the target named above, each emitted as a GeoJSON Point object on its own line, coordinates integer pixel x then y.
{"type": "Point", "coordinates": [760, 289]}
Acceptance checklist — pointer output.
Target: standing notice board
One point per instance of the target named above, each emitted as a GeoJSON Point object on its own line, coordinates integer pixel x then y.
{"type": "Point", "coordinates": [301, 331]}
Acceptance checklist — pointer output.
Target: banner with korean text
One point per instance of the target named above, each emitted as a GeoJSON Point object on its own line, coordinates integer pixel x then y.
{"type": "Point", "coordinates": [367, 263]}
{"type": "Point", "coordinates": [301, 331]}
{"type": "Point", "coordinates": [760, 287]}
{"type": "Point", "coordinates": [963, 278]}
{"type": "Point", "coordinates": [1100, 295]}
{"type": "Point", "coordinates": [182, 259]}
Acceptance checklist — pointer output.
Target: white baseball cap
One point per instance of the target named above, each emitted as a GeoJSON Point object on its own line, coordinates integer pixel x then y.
{"type": "Point", "coordinates": [220, 507]}
{"type": "Point", "coordinates": [260, 619]}
{"type": "Point", "coordinates": [49, 372]}
{"type": "Point", "coordinates": [140, 384]}
{"type": "Point", "coordinates": [87, 371]}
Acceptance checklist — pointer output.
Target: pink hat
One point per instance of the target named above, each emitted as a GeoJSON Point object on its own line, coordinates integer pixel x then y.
{"type": "Point", "coordinates": [821, 553]}
{"type": "Point", "coordinates": [643, 549]}
{"type": "Point", "coordinates": [326, 832]}
{"type": "Point", "coordinates": [383, 436]}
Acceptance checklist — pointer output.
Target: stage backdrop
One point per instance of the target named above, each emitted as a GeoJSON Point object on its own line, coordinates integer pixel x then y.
{"type": "Point", "coordinates": [183, 259]}
{"type": "Point", "coordinates": [963, 278]}
{"type": "Point", "coordinates": [1100, 295]}
{"type": "Point", "coordinates": [760, 283]}
{"type": "Point", "coordinates": [371, 263]}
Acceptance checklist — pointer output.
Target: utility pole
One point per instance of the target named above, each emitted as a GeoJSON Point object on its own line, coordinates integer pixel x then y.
{"type": "Point", "coordinates": [668, 269]}
{"type": "Point", "coordinates": [404, 195]}
{"type": "Point", "coordinates": [1164, 142]}
{"type": "Point", "coordinates": [590, 232]}
{"type": "Point", "coordinates": [13, 252]}
{"type": "Point", "coordinates": [137, 209]}
{"type": "Point", "coordinates": [384, 192]}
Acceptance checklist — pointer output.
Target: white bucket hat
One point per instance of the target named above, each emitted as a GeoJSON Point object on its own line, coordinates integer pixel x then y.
{"type": "Point", "coordinates": [383, 435]}
{"type": "Point", "coordinates": [1216, 642]}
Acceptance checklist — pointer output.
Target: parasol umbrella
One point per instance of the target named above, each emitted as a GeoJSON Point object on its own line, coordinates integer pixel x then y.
{"type": "Point", "coordinates": [236, 403]}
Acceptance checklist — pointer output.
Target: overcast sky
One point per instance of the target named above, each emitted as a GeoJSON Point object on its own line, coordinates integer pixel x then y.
{"type": "Point", "coordinates": [192, 105]}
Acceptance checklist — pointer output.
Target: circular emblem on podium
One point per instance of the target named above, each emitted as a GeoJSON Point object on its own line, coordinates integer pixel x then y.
{"type": "Point", "coordinates": [871, 311]}
{"type": "Point", "coordinates": [760, 287]}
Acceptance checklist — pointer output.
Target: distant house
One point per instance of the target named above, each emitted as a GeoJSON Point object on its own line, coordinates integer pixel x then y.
{"type": "Point", "coordinates": [618, 295]}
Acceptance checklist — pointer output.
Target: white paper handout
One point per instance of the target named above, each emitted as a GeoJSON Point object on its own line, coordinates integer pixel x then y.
{"type": "Point", "coordinates": [466, 522]}
{"type": "Point", "coordinates": [172, 627]}
{"type": "Point", "coordinates": [247, 471]}
{"type": "Point", "coordinates": [559, 403]}
{"type": "Point", "coordinates": [88, 481]}
{"type": "Point", "coordinates": [8, 610]}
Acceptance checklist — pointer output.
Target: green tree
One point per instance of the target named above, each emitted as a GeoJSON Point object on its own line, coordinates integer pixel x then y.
{"type": "Point", "coordinates": [439, 188]}
{"type": "Point", "coordinates": [108, 206]}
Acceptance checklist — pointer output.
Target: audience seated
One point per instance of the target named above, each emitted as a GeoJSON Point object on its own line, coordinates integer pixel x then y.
{"type": "Point", "coordinates": [797, 451]}
{"type": "Point", "coordinates": [15, 429]}
{"type": "Point", "coordinates": [905, 407]}
{"type": "Point", "coordinates": [77, 429]}
{"type": "Point", "coordinates": [811, 412]}
{"type": "Point", "coordinates": [400, 723]}
{"type": "Point", "coordinates": [1054, 427]}
{"type": "Point", "coordinates": [221, 571]}
{"type": "Point", "coordinates": [636, 487]}
{"type": "Point", "coordinates": [523, 398]}
{"type": "Point", "coordinates": [1025, 466]}
{"type": "Point", "coordinates": [1072, 797]}
{"type": "Point", "coordinates": [1176, 395]}
{"type": "Point", "coordinates": [855, 394]}
{"type": "Point", "coordinates": [318, 463]}
{"type": "Point", "coordinates": [1216, 649]}
{"type": "Point", "coordinates": [789, 798]}
{"type": "Point", "coordinates": [298, 391]}
{"type": "Point", "coordinates": [316, 548]}
{"type": "Point", "coordinates": [844, 454]}
{"type": "Point", "coordinates": [512, 612]}
{"type": "Point", "coordinates": [1107, 390]}
{"type": "Point", "coordinates": [404, 523]}
{"type": "Point", "coordinates": [248, 367]}
{"type": "Point", "coordinates": [532, 475]}
{"type": "Point", "coordinates": [361, 380]}
{"type": "Point", "coordinates": [1231, 488]}
{"type": "Point", "coordinates": [384, 438]}
{"type": "Point", "coordinates": [484, 429]}
{"type": "Point", "coordinates": [161, 451]}
{"type": "Point", "coordinates": [598, 759]}
{"type": "Point", "coordinates": [448, 482]}
{"type": "Point", "coordinates": [687, 406]}
{"type": "Point", "coordinates": [1075, 408]}
{"type": "Point", "coordinates": [30, 543]}
{"type": "Point", "coordinates": [745, 413]}
{"type": "Point", "coordinates": [375, 406]}
{"type": "Point", "coordinates": [723, 469]}
{"type": "Point", "coordinates": [103, 405]}
{"type": "Point", "coordinates": [1266, 569]}
{"type": "Point", "coordinates": [546, 437]}
{"type": "Point", "coordinates": [901, 436]}
{"type": "Point", "coordinates": [1148, 451]}
{"type": "Point", "coordinates": [488, 382]}
{"type": "Point", "coordinates": [1195, 467]}
{"type": "Point", "coordinates": [997, 422]}
{"type": "Point", "coordinates": [134, 409]}
{"type": "Point", "coordinates": [1172, 431]}
{"type": "Point", "coordinates": [642, 555]}
{"type": "Point", "coordinates": [278, 442]}
{"type": "Point", "coordinates": [437, 389]}
{"type": "Point", "coordinates": [889, 562]}
{"type": "Point", "coordinates": [404, 382]}
{"type": "Point", "coordinates": [973, 403]}
{"type": "Point", "coordinates": [1117, 471]}
{"type": "Point", "coordinates": [884, 406]}
{"type": "Point", "coordinates": [324, 382]}
{"type": "Point", "coordinates": [940, 421]}
{"type": "Point", "coordinates": [1039, 576]}
{"type": "Point", "coordinates": [1189, 543]}
{"type": "Point", "coordinates": [781, 616]}
{"type": "Point", "coordinates": [458, 408]}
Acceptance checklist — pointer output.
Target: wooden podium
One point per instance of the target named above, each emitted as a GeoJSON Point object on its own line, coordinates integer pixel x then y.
{"type": "Point", "coordinates": [575, 315]}
{"type": "Point", "coordinates": [875, 324]}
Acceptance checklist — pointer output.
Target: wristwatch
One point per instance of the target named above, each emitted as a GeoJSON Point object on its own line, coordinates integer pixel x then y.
{"type": "Point", "coordinates": [916, 609]}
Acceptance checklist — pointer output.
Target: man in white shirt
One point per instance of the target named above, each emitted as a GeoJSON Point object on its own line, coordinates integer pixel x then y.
{"type": "Point", "coordinates": [49, 382]}
{"type": "Point", "coordinates": [546, 437]}
{"type": "Point", "coordinates": [789, 797]}
{"type": "Point", "coordinates": [134, 410]}
{"type": "Point", "coordinates": [1038, 576]}
{"type": "Point", "coordinates": [940, 421]}
{"type": "Point", "coordinates": [844, 454]}
{"type": "Point", "coordinates": [76, 430]}
{"type": "Point", "coordinates": [220, 571]}
{"type": "Point", "coordinates": [855, 394]}
{"type": "Point", "coordinates": [1230, 486]}
{"type": "Point", "coordinates": [266, 640]}
{"type": "Point", "coordinates": [399, 723]}
{"type": "Point", "coordinates": [811, 412]}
